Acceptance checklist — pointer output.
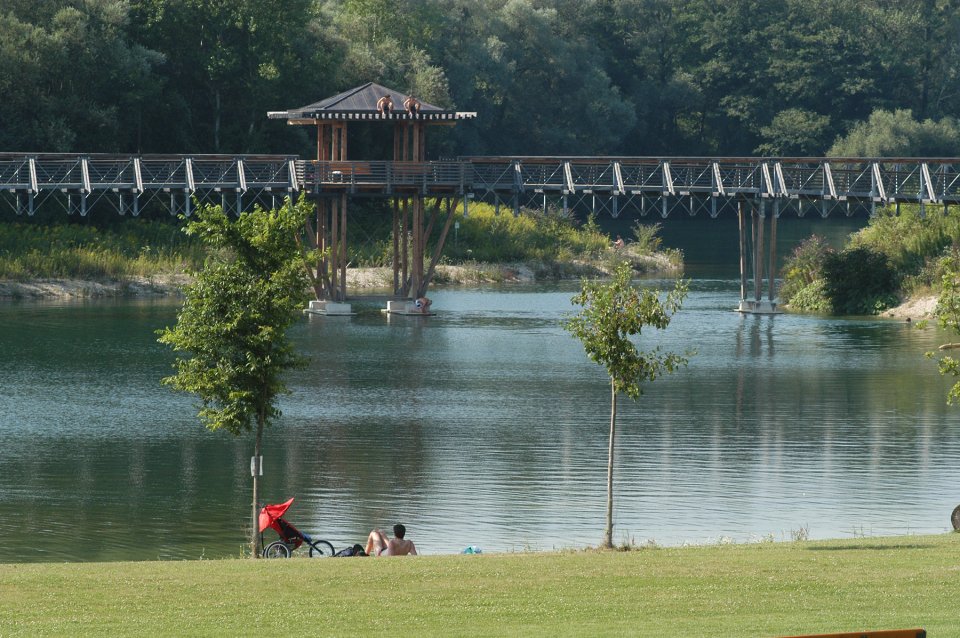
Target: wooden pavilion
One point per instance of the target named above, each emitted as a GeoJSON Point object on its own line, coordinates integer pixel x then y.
{"type": "Point", "coordinates": [404, 180]}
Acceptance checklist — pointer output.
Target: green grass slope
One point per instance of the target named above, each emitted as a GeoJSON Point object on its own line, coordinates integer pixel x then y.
{"type": "Point", "coordinates": [730, 590]}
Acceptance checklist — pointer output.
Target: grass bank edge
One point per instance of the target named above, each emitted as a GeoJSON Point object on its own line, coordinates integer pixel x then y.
{"type": "Point", "coordinates": [804, 587]}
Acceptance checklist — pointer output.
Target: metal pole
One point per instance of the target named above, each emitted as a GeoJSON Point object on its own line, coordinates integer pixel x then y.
{"type": "Point", "coordinates": [772, 276]}
{"type": "Point", "coordinates": [757, 254]}
{"type": "Point", "coordinates": [743, 250]}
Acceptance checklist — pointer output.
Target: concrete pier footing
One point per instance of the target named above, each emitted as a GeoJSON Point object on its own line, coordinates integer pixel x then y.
{"type": "Point", "coordinates": [404, 307]}
{"type": "Point", "coordinates": [329, 309]}
{"type": "Point", "coordinates": [762, 307]}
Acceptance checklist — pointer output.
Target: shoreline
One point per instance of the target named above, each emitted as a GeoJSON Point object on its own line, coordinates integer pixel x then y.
{"type": "Point", "coordinates": [913, 308]}
{"type": "Point", "coordinates": [357, 279]}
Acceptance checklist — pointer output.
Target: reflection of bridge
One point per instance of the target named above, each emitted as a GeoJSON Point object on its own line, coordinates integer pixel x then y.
{"type": "Point", "coordinates": [765, 187]}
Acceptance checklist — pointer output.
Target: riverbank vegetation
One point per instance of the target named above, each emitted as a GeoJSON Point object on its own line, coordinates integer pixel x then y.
{"type": "Point", "coordinates": [805, 587]}
{"type": "Point", "coordinates": [122, 250]}
{"type": "Point", "coordinates": [485, 246]}
{"type": "Point", "coordinates": [896, 256]}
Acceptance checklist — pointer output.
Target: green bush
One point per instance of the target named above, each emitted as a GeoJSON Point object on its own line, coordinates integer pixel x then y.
{"type": "Point", "coordinates": [803, 268]}
{"type": "Point", "coordinates": [859, 281]}
{"type": "Point", "coordinates": [646, 237]}
{"type": "Point", "coordinates": [812, 298]}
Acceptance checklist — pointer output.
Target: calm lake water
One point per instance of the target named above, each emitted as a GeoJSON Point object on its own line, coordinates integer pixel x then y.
{"type": "Point", "coordinates": [484, 425]}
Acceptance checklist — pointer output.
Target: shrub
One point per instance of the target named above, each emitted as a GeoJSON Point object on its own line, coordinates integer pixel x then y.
{"type": "Point", "coordinates": [803, 268]}
{"type": "Point", "coordinates": [812, 298]}
{"type": "Point", "coordinates": [859, 282]}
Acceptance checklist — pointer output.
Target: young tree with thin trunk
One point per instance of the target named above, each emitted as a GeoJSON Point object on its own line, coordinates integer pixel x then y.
{"type": "Point", "coordinates": [232, 328]}
{"type": "Point", "coordinates": [613, 312]}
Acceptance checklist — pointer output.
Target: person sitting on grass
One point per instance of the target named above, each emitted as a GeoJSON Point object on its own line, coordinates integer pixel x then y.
{"type": "Point", "coordinates": [379, 545]}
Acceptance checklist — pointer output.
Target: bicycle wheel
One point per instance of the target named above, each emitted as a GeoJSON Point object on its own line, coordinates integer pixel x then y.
{"type": "Point", "coordinates": [276, 549]}
{"type": "Point", "coordinates": [321, 549]}
{"type": "Point", "coordinates": [955, 518]}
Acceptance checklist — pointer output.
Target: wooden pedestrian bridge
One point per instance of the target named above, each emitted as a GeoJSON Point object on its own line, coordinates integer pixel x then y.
{"type": "Point", "coordinates": [126, 183]}
{"type": "Point", "coordinates": [755, 189]}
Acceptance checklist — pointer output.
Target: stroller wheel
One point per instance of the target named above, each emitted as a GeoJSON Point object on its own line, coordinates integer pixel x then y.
{"type": "Point", "coordinates": [321, 549]}
{"type": "Point", "coordinates": [276, 549]}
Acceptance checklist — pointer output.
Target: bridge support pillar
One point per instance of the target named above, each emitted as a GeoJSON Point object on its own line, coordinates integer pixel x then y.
{"type": "Point", "coordinates": [755, 257]}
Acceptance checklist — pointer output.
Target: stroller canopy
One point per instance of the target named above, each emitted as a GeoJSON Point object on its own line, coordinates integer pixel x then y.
{"type": "Point", "coordinates": [270, 513]}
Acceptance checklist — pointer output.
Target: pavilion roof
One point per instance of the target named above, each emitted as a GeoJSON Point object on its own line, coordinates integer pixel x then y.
{"type": "Point", "coordinates": [360, 103]}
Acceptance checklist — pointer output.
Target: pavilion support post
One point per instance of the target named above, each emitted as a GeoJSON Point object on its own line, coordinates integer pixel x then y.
{"type": "Point", "coordinates": [396, 246]}
{"type": "Point", "coordinates": [343, 247]}
{"type": "Point", "coordinates": [405, 249]}
{"type": "Point", "coordinates": [417, 237]}
{"type": "Point", "coordinates": [320, 128]}
{"type": "Point", "coordinates": [334, 248]}
{"type": "Point", "coordinates": [323, 214]}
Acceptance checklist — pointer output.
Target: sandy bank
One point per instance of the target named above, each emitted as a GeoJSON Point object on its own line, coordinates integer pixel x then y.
{"type": "Point", "coordinates": [921, 307]}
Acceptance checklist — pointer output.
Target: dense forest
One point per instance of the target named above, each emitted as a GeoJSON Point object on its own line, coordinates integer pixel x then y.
{"type": "Point", "coordinates": [626, 77]}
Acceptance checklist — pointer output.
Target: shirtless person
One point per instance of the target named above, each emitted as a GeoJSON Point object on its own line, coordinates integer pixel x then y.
{"type": "Point", "coordinates": [412, 105]}
{"type": "Point", "coordinates": [385, 105]}
{"type": "Point", "coordinates": [423, 305]}
{"type": "Point", "coordinates": [379, 545]}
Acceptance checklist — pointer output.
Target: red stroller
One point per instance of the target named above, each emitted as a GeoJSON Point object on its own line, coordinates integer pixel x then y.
{"type": "Point", "coordinates": [290, 537]}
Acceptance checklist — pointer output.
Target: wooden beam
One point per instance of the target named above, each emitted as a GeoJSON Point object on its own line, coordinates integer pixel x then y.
{"type": "Point", "coordinates": [343, 247]}
{"type": "Point", "coordinates": [438, 249]}
{"type": "Point", "coordinates": [404, 255]}
{"type": "Point", "coordinates": [396, 246]}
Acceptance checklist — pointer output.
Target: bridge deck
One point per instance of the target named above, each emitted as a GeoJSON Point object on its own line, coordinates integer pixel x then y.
{"type": "Point", "coordinates": [248, 178]}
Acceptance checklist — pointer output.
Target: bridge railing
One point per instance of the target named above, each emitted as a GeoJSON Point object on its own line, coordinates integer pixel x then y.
{"type": "Point", "coordinates": [385, 177]}
{"type": "Point", "coordinates": [84, 179]}
{"type": "Point", "coordinates": [79, 181]}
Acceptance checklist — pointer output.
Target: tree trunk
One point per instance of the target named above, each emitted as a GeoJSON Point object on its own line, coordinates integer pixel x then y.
{"type": "Point", "coordinates": [255, 526]}
{"type": "Point", "coordinates": [608, 533]}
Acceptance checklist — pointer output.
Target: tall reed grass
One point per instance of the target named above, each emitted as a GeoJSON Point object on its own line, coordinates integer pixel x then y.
{"type": "Point", "coordinates": [130, 249]}
{"type": "Point", "coordinates": [484, 235]}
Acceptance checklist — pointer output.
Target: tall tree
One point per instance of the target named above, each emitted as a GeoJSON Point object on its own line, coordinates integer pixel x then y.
{"type": "Point", "coordinates": [73, 80]}
{"type": "Point", "coordinates": [611, 313]}
{"type": "Point", "coordinates": [232, 329]}
{"type": "Point", "coordinates": [228, 63]}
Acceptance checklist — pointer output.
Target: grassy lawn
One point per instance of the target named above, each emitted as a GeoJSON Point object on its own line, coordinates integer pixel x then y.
{"type": "Point", "coordinates": [730, 590]}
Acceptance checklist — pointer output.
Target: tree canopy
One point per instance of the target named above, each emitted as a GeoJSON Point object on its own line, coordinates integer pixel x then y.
{"type": "Point", "coordinates": [630, 77]}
